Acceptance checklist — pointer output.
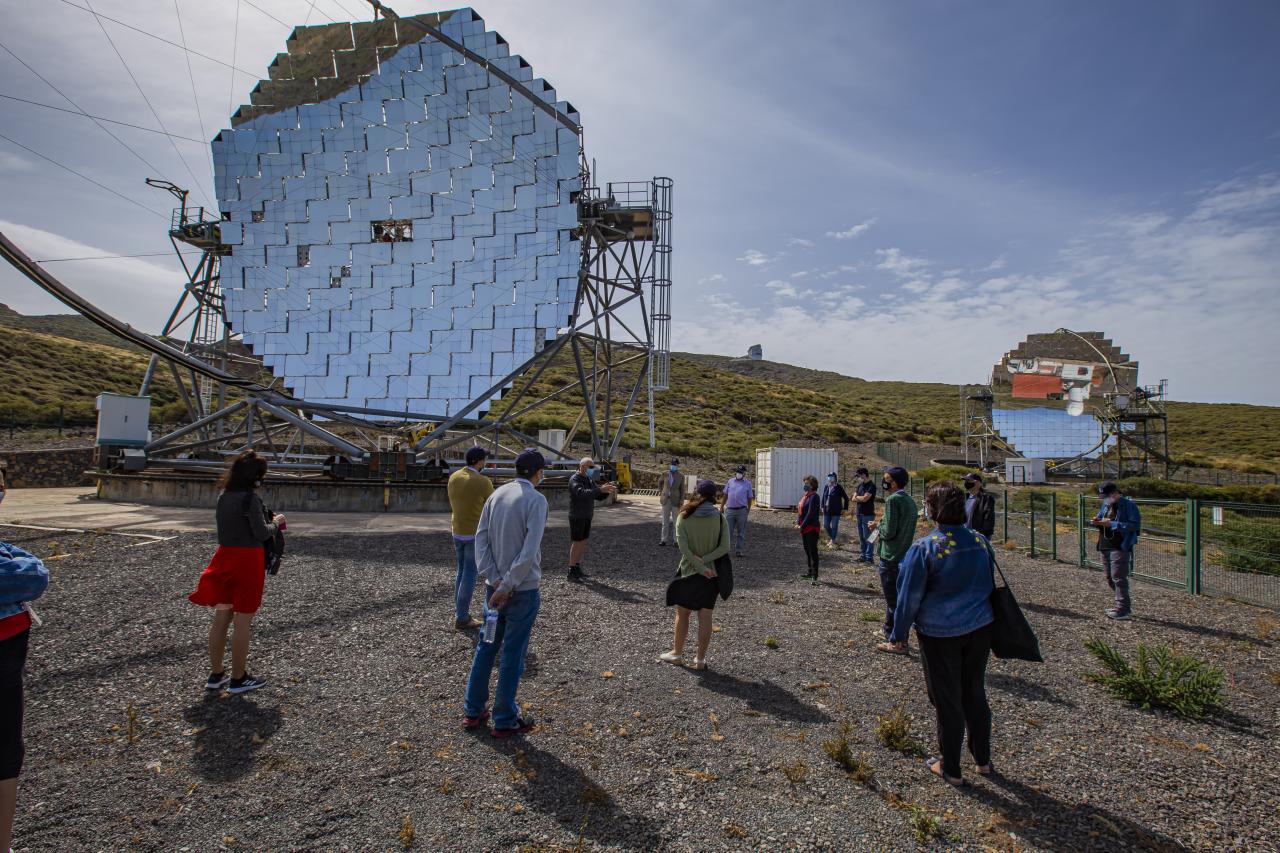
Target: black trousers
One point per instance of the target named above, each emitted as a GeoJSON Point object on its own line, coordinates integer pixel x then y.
{"type": "Point", "coordinates": [811, 551]}
{"type": "Point", "coordinates": [955, 670]}
{"type": "Point", "coordinates": [13, 657]}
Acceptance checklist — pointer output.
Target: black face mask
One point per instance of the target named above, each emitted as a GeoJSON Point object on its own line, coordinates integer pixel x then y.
{"type": "Point", "coordinates": [887, 484]}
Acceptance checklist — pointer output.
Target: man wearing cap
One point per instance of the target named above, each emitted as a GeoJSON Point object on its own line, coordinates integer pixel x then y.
{"type": "Point", "coordinates": [468, 490]}
{"type": "Point", "coordinates": [1119, 522]}
{"type": "Point", "coordinates": [583, 494]}
{"type": "Point", "coordinates": [979, 506]}
{"type": "Point", "coordinates": [509, 556]}
{"type": "Point", "coordinates": [671, 497]}
{"type": "Point", "coordinates": [897, 528]}
{"type": "Point", "coordinates": [834, 503]}
{"type": "Point", "coordinates": [864, 500]}
{"type": "Point", "coordinates": [738, 498]}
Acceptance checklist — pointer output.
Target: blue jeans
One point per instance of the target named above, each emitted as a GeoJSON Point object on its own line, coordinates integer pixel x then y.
{"type": "Point", "coordinates": [464, 582]}
{"type": "Point", "coordinates": [864, 533]}
{"type": "Point", "coordinates": [832, 524]}
{"type": "Point", "coordinates": [737, 518]}
{"type": "Point", "coordinates": [515, 623]}
{"type": "Point", "coordinates": [889, 586]}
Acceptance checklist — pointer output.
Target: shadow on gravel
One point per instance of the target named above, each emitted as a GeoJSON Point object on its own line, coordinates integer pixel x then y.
{"type": "Point", "coordinates": [763, 696]}
{"type": "Point", "coordinates": [613, 593]}
{"type": "Point", "coordinates": [855, 590]}
{"type": "Point", "coordinates": [1204, 630]}
{"type": "Point", "coordinates": [1050, 824]}
{"type": "Point", "coordinates": [568, 794]}
{"type": "Point", "coordinates": [1054, 611]}
{"type": "Point", "coordinates": [231, 730]}
{"type": "Point", "coordinates": [1023, 689]}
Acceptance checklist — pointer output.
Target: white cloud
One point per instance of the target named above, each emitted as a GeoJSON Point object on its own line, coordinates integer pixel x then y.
{"type": "Point", "coordinates": [904, 266]}
{"type": "Point", "coordinates": [853, 231]}
{"type": "Point", "coordinates": [800, 241]}
{"type": "Point", "coordinates": [781, 288]}
{"type": "Point", "coordinates": [840, 270]}
{"type": "Point", "coordinates": [149, 290]}
{"type": "Point", "coordinates": [799, 274]}
{"type": "Point", "coordinates": [996, 265]}
{"type": "Point", "coordinates": [711, 279]}
{"type": "Point", "coordinates": [10, 162]}
{"type": "Point", "coordinates": [755, 258]}
{"type": "Point", "coordinates": [1241, 195]}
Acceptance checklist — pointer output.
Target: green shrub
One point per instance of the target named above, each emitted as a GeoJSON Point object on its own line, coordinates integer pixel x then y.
{"type": "Point", "coordinates": [925, 825]}
{"type": "Point", "coordinates": [1184, 685]}
{"type": "Point", "coordinates": [1247, 544]}
{"type": "Point", "coordinates": [1151, 487]}
{"type": "Point", "coordinates": [894, 732]}
{"type": "Point", "coordinates": [934, 473]}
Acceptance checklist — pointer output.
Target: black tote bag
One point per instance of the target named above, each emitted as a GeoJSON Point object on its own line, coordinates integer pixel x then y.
{"type": "Point", "coordinates": [1011, 634]}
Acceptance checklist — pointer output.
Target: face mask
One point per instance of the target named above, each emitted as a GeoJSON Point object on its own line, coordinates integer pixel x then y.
{"type": "Point", "coordinates": [740, 476]}
{"type": "Point", "coordinates": [831, 479]}
{"type": "Point", "coordinates": [1110, 500]}
{"type": "Point", "coordinates": [591, 472]}
{"type": "Point", "coordinates": [887, 484]}
{"type": "Point", "coordinates": [674, 469]}
{"type": "Point", "coordinates": [808, 488]}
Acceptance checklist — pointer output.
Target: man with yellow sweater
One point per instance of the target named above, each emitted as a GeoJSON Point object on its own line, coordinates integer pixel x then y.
{"type": "Point", "coordinates": [468, 490]}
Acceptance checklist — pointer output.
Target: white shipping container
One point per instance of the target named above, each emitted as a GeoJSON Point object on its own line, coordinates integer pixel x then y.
{"type": "Point", "coordinates": [780, 473]}
{"type": "Point", "coordinates": [1017, 470]}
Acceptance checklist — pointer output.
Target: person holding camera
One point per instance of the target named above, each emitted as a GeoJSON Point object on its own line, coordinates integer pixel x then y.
{"type": "Point", "coordinates": [232, 583]}
{"type": "Point", "coordinates": [1118, 522]}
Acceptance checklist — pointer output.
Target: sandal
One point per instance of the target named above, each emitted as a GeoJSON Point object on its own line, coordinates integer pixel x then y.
{"type": "Point", "coordinates": [892, 648]}
{"type": "Point", "coordinates": [671, 657]}
{"type": "Point", "coordinates": [698, 663]}
{"type": "Point", "coordinates": [935, 767]}
{"type": "Point", "coordinates": [985, 769]}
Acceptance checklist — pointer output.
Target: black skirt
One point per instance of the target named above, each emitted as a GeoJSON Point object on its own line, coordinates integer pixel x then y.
{"type": "Point", "coordinates": [693, 592]}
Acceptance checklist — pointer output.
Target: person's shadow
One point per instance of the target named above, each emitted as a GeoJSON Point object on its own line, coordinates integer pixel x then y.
{"type": "Point", "coordinates": [1050, 824]}
{"type": "Point", "coordinates": [568, 794]}
{"type": "Point", "coordinates": [763, 696]}
{"type": "Point", "coordinates": [613, 593]}
{"type": "Point", "coordinates": [228, 732]}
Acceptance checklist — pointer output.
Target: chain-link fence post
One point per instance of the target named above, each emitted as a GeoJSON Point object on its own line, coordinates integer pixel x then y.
{"type": "Point", "coordinates": [1080, 521]}
{"type": "Point", "coordinates": [1031, 504]}
{"type": "Point", "coordinates": [1004, 501]}
{"type": "Point", "coordinates": [1192, 546]}
{"type": "Point", "coordinates": [1053, 525]}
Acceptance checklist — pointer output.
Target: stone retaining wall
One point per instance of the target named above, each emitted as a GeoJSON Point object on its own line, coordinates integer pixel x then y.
{"type": "Point", "coordinates": [35, 469]}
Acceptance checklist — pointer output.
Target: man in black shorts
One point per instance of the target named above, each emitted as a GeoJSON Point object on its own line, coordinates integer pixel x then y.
{"type": "Point", "coordinates": [583, 494]}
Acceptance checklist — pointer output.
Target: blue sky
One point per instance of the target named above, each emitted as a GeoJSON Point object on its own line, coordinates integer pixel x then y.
{"type": "Point", "coordinates": [948, 177]}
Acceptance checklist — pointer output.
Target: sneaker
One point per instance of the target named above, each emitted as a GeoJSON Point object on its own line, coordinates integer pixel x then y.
{"type": "Point", "coordinates": [576, 574]}
{"type": "Point", "coordinates": [523, 724]}
{"type": "Point", "coordinates": [467, 624]}
{"type": "Point", "coordinates": [245, 684]}
{"type": "Point", "coordinates": [662, 542]}
{"type": "Point", "coordinates": [475, 722]}
{"type": "Point", "coordinates": [1118, 616]}
{"type": "Point", "coordinates": [740, 554]}
{"type": "Point", "coordinates": [671, 657]}
{"type": "Point", "coordinates": [217, 681]}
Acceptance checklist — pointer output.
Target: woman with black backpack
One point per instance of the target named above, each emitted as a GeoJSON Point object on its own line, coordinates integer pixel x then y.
{"type": "Point", "coordinates": [233, 581]}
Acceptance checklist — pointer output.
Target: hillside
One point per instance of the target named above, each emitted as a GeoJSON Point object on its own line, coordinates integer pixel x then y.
{"type": "Point", "coordinates": [718, 407]}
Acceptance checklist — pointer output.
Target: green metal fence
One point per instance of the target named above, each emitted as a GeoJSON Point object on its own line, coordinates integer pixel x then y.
{"type": "Point", "coordinates": [1229, 550]}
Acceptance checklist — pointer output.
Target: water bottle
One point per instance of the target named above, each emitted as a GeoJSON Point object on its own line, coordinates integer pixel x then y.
{"type": "Point", "coordinates": [490, 629]}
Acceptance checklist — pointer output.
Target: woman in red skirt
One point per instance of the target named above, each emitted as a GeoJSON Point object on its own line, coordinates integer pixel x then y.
{"type": "Point", "coordinates": [232, 583]}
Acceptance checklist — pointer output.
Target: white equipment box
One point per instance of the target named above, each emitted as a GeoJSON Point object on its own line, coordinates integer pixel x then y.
{"type": "Point", "coordinates": [124, 420]}
{"type": "Point", "coordinates": [1021, 471]}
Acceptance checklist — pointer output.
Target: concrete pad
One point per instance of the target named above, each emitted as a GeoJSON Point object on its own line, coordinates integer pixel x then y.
{"type": "Point", "coordinates": [81, 509]}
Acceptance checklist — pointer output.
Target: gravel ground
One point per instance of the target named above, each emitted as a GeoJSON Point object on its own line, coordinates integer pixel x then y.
{"type": "Point", "coordinates": [356, 739]}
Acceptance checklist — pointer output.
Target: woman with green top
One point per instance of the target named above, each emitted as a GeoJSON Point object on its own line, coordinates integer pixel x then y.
{"type": "Point", "coordinates": [702, 535]}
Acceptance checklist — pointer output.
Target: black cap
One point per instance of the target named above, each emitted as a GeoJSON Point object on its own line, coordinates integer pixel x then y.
{"type": "Point", "coordinates": [708, 489]}
{"type": "Point", "coordinates": [530, 462]}
{"type": "Point", "coordinates": [741, 469]}
{"type": "Point", "coordinates": [862, 471]}
{"type": "Point", "coordinates": [1107, 488]}
{"type": "Point", "coordinates": [973, 477]}
{"type": "Point", "coordinates": [898, 474]}
{"type": "Point", "coordinates": [831, 476]}
{"type": "Point", "coordinates": [476, 454]}
{"type": "Point", "coordinates": [675, 461]}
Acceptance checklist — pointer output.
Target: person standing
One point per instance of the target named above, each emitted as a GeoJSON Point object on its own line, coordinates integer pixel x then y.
{"type": "Point", "coordinates": [468, 490]}
{"type": "Point", "coordinates": [807, 516]}
{"type": "Point", "coordinates": [1119, 522]}
{"type": "Point", "coordinates": [979, 506]}
{"type": "Point", "coordinates": [702, 534]}
{"type": "Point", "coordinates": [232, 583]}
{"type": "Point", "coordinates": [671, 498]}
{"type": "Point", "coordinates": [944, 588]}
{"type": "Point", "coordinates": [864, 500]}
{"type": "Point", "coordinates": [738, 498]}
{"type": "Point", "coordinates": [583, 494]}
{"type": "Point", "coordinates": [835, 503]}
{"type": "Point", "coordinates": [23, 578]}
{"type": "Point", "coordinates": [509, 556]}
{"type": "Point", "coordinates": [896, 529]}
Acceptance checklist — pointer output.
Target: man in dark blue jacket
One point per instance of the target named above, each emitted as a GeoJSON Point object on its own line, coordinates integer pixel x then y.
{"type": "Point", "coordinates": [835, 503]}
{"type": "Point", "coordinates": [1119, 522]}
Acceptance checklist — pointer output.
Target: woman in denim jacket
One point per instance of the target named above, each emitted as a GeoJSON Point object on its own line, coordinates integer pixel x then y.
{"type": "Point", "coordinates": [944, 589]}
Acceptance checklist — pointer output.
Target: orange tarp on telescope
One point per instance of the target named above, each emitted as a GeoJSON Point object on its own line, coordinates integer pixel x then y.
{"type": "Point", "coordinates": [1035, 386]}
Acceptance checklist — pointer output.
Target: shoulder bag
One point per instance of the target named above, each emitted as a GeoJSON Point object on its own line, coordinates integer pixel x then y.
{"type": "Point", "coordinates": [1011, 633]}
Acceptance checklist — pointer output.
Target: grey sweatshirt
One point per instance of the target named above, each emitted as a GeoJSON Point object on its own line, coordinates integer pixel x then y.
{"type": "Point", "coordinates": [236, 531]}
{"type": "Point", "coordinates": [509, 537]}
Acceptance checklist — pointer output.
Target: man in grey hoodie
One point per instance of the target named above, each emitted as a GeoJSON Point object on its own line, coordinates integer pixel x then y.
{"type": "Point", "coordinates": [509, 557]}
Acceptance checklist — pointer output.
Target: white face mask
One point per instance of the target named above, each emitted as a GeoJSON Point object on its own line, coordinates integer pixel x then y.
{"type": "Point", "coordinates": [1110, 500]}
{"type": "Point", "coordinates": [740, 476]}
